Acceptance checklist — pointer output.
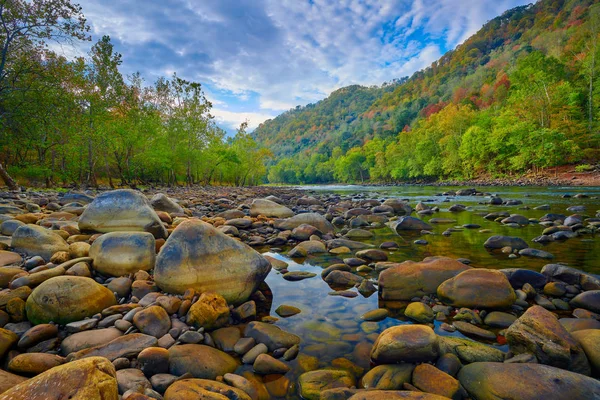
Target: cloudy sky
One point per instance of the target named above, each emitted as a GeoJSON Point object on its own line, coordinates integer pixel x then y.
{"type": "Point", "coordinates": [258, 58]}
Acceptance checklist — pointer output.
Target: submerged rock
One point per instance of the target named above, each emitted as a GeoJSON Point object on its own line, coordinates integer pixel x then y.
{"type": "Point", "coordinates": [199, 257]}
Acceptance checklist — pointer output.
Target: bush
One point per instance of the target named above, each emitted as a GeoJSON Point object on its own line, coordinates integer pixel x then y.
{"type": "Point", "coordinates": [584, 168]}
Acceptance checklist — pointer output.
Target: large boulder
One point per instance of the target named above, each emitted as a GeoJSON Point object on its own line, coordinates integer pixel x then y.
{"type": "Point", "coordinates": [314, 219]}
{"type": "Point", "coordinates": [477, 288]}
{"type": "Point", "coordinates": [33, 240]}
{"type": "Point", "coordinates": [121, 210]}
{"type": "Point", "coordinates": [200, 257]}
{"type": "Point", "coordinates": [269, 208]}
{"type": "Point", "coordinates": [492, 381]}
{"type": "Point", "coordinates": [123, 253]}
{"type": "Point", "coordinates": [65, 299]}
{"type": "Point", "coordinates": [571, 276]}
{"type": "Point", "coordinates": [539, 332]}
{"type": "Point", "coordinates": [89, 379]}
{"type": "Point", "coordinates": [415, 279]}
{"type": "Point", "coordinates": [203, 389]}
{"type": "Point", "coordinates": [160, 202]}
{"type": "Point", "coordinates": [409, 223]}
{"type": "Point", "coordinates": [400, 207]}
{"type": "Point", "coordinates": [405, 343]}
{"type": "Point", "coordinates": [185, 359]}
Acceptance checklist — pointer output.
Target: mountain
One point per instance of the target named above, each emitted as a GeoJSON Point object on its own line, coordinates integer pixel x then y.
{"type": "Point", "coordinates": [518, 95]}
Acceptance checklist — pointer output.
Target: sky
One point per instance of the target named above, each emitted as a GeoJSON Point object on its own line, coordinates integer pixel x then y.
{"type": "Point", "coordinates": [258, 58]}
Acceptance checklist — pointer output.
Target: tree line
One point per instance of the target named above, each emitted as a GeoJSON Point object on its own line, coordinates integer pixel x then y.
{"type": "Point", "coordinates": [80, 122]}
{"type": "Point", "coordinates": [522, 95]}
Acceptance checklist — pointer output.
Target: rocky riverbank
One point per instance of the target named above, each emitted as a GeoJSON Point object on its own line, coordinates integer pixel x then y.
{"type": "Point", "coordinates": [161, 294]}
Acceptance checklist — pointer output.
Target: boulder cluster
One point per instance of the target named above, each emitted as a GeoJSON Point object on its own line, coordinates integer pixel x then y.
{"type": "Point", "coordinates": [125, 295]}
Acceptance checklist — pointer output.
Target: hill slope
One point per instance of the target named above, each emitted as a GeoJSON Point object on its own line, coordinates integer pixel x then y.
{"type": "Point", "coordinates": [518, 95]}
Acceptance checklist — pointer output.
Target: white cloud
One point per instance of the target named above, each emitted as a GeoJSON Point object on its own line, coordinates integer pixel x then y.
{"type": "Point", "coordinates": [232, 119]}
{"type": "Point", "coordinates": [288, 52]}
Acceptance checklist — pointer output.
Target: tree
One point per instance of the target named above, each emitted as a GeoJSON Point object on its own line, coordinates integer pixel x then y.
{"type": "Point", "coordinates": [25, 28]}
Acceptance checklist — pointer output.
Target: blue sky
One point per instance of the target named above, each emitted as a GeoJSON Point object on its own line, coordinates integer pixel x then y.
{"type": "Point", "coordinates": [258, 58]}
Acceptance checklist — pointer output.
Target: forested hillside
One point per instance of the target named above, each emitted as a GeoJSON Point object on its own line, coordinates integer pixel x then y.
{"type": "Point", "coordinates": [520, 95]}
{"type": "Point", "coordinates": [81, 122]}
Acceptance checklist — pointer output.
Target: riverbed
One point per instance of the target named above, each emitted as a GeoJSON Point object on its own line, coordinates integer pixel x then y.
{"type": "Point", "coordinates": [331, 326]}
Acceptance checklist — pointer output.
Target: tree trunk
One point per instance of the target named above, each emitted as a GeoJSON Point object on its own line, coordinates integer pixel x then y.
{"type": "Point", "coordinates": [10, 182]}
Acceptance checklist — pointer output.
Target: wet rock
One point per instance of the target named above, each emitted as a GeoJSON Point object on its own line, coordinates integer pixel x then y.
{"type": "Point", "coordinates": [123, 253]}
{"type": "Point", "coordinates": [498, 242]}
{"type": "Point", "coordinates": [90, 379]}
{"type": "Point", "coordinates": [210, 311]}
{"type": "Point", "coordinates": [311, 384]}
{"type": "Point", "coordinates": [405, 343]}
{"type": "Point", "coordinates": [388, 377]}
{"type": "Point", "coordinates": [203, 389]}
{"type": "Point", "coordinates": [65, 299]}
{"type": "Point", "coordinates": [198, 256]}
{"type": "Point", "coordinates": [372, 255]}
{"type": "Point", "coordinates": [413, 394]}
{"type": "Point", "coordinates": [477, 288]}
{"type": "Point", "coordinates": [272, 336]}
{"type": "Point", "coordinates": [409, 223]}
{"type": "Point", "coordinates": [416, 279]}
{"type": "Point", "coordinates": [351, 244]}
{"type": "Point", "coordinates": [121, 210]}
{"type": "Point", "coordinates": [7, 340]}
{"type": "Point", "coordinates": [525, 382]}
{"type": "Point", "coordinates": [33, 240]}
{"type": "Point", "coordinates": [538, 332]}
{"type": "Point", "coordinates": [184, 359]}
{"type": "Point", "coordinates": [294, 276]}
{"type": "Point", "coordinates": [342, 279]}
{"type": "Point", "coordinates": [376, 315]}
{"type": "Point", "coordinates": [578, 324]}
{"type": "Point", "coordinates": [287, 311]}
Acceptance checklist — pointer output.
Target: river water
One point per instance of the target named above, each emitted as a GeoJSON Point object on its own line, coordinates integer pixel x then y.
{"type": "Point", "coordinates": [331, 327]}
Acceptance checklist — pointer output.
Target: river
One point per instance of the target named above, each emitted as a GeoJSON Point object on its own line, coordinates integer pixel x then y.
{"type": "Point", "coordinates": [331, 327]}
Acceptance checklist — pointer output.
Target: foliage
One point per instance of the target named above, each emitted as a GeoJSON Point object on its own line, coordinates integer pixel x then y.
{"type": "Point", "coordinates": [80, 121]}
{"type": "Point", "coordinates": [521, 94]}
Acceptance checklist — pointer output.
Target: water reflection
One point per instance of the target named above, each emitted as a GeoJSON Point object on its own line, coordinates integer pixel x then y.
{"type": "Point", "coordinates": [331, 326]}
